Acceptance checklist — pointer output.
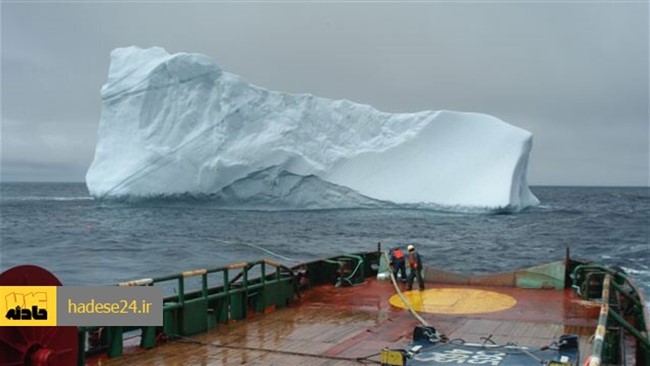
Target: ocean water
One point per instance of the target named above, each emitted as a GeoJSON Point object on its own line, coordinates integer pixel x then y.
{"type": "Point", "coordinates": [85, 242]}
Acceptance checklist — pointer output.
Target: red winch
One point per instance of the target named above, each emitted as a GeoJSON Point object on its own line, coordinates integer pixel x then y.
{"type": "Point", "coordinates": [37, 346]}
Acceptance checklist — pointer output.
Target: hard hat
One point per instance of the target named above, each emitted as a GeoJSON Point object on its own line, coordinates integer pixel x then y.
{"type": "Point", "coordinates": [410, 247]}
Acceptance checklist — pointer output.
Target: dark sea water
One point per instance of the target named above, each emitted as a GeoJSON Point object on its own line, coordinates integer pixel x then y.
{"type": "Point", "coordinates": [58, 226]}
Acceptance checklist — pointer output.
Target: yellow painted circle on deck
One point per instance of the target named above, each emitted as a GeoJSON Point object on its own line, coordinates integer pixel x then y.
{"type": "Point", "coordinates": [455, 301]}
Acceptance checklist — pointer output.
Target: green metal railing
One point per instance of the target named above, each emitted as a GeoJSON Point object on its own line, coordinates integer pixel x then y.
{"type": "Point", "coordinates": [192, 312]}
{"type": "Point", "coordinates": [234, 296]}
{"type": "Point", "coordinates": [622, 310]}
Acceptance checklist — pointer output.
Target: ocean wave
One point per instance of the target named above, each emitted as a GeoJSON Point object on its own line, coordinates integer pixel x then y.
{"type": "Point", "coordinates": [46, 198]}
{"type": "Point", "coordinates": [637, 272]}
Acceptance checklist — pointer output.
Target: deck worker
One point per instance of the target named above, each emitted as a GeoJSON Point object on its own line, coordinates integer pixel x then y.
{"type": "Point", "coordinates": [415, 268]}
{"type": "Point", "coordinates": [398, 262]}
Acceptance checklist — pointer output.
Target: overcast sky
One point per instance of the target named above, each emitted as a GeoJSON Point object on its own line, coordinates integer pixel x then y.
{"type": "Point", "coordinates": [575, 74]}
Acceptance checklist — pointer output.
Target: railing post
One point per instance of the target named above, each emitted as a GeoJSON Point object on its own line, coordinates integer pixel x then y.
{"type": "Point", "coordinates": [224, 314]}
{"type": "Point", "coordinates": [226, 282]}
{"type": "Point", "coordinates": [181, 290]}
{"type": "Point", "coordinates": [245, 282]}
{"type": "Point", "coordinates": [115, 345]}
{"type": "Point", "coordinates": [81, 341]}
{"type": "Point", "coordinates": [204, 285]}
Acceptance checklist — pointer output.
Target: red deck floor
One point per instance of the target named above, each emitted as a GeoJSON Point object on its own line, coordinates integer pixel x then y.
{"type": "Point", "coordinates": [334, 326]}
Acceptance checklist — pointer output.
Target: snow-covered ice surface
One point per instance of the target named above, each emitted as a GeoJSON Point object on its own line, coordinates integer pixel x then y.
{"type": "Point", "coordinates": [178, 125]}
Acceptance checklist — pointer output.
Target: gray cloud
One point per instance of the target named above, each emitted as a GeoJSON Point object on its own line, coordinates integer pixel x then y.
{"type": "Point", "coordinates": [574, 74]}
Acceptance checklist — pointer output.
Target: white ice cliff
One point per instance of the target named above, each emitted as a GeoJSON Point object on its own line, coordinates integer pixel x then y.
{"type": "Point", "coordinates": [179, 125]}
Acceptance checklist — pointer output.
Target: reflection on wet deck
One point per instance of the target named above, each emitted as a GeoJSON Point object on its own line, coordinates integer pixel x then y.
{"type": "Point", "coordinates": [335, 326]}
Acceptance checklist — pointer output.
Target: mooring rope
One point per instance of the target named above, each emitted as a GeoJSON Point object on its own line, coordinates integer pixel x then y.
{"type": "Point", "coordinates": [401, 295]}
{"type": "Point", "coordinates": [258, 248]}
{"type": "Point", "coordinates": [437, 337]}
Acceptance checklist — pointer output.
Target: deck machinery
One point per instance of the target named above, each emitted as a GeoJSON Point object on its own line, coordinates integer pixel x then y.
{"type": "Point", "coordinates": [347, 286]}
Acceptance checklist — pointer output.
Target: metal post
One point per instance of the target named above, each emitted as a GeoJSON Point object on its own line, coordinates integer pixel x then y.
{"type": "Point", "coordinates": [245, 282]}
{"type": "Point", "coordinates": [226, 282]}
{"type": "Point", "coordinates": [620, 320]}
{"type": "Point", "coordinates": [204, 285]}
{"type": "Point", "coordinates": [567, 255]}
{"type": "Point", "coordinates": [181, 290]}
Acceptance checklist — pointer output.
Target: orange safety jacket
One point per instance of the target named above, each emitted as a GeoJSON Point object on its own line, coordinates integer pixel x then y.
{"type": "Point", "coordinates": [398, 254]}
{"type": "Point", "coordinates": [414, 260]}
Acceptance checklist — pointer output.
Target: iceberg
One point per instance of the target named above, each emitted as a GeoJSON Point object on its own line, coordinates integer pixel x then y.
{"type": "Point", "coordinates": [277, 189]}
{"type": "Point", "coordinates": [174, 125]}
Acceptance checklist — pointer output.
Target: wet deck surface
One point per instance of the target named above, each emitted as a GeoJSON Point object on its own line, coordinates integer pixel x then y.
{"type": "Point", "coordinates": [335, 326]}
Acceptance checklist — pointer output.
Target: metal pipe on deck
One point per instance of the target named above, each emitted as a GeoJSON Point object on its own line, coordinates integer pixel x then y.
{"type": "Point", "coordinates": [601, 329]}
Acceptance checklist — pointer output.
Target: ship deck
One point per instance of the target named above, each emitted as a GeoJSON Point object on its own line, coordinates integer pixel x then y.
{"type": "Point", "coordinates": [339, 325]}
